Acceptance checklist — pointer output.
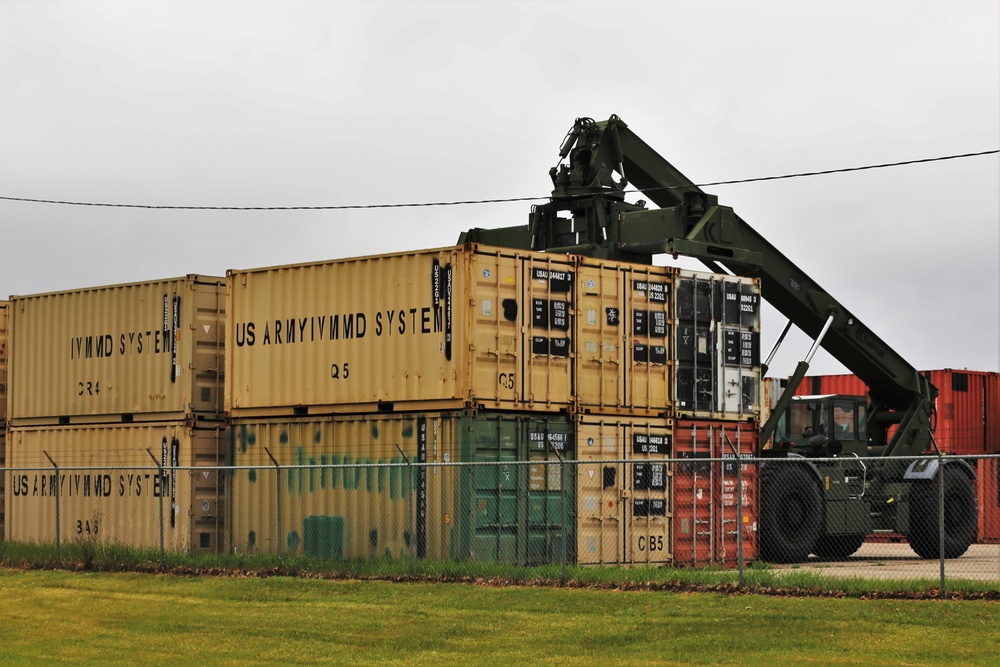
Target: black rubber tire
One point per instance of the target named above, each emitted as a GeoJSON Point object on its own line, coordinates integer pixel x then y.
{"type": "Point", "coordinates": [837, 547]}
{"type": "Point", "coordinates": [960, 515]}
{"type": "Point", "coordinates": [791, 513]}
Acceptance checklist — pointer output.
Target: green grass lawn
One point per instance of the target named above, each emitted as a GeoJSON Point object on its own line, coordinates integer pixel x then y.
{"type": "Point", "coordinates": [58, 617]}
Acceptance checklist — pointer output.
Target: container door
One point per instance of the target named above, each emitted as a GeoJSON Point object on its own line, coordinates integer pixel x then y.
{"type": "Point", "coordinates": [648, 506]}
{"type": "Point", "coordinates": [738, 391]}
{"type": "Point", "coordinates": [600, 371]}
{"type": "Point", "coordinates": [548, 333]}
{"type": "Point", "coordinates": [648, 376]}
{"type": "Point", "coordinates": [693, 495]}
{"type": "Point", "coordinates": [695, 344]}
{"type": "Point", "coordinates": [547, 441]}
{"type": "Point", "coordinates": [736, 512]}
{"type": "Point", "coordinates": [496, 320]}
{"type": "Point", "coordinates": [494, 502]}
{"type": "Point", "coordinates": [600, 488]}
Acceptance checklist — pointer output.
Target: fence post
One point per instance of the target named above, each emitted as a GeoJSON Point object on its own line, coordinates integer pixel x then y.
{"type": "Point", "coordinates": [162, 482]}
{"type": "Point", "coordinates": [277, 496]}
{"type": "Point", "coordinates": [739, 509]}
{"type": "Point", "coordinates": [409, 494]}
{"type": "Point", "coordinates": [941, 516]}
{"type": "Point", "coordinates": [58, 551]}
{"type": "Point", "coordinates": [562, 503]}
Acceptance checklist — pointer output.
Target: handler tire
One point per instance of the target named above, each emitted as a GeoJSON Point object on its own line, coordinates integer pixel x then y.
{"type": "Point", "coordinates": [791, 512]}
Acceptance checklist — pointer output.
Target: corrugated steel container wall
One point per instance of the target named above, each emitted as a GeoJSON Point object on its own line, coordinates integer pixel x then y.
{"type": "Point", "coordinates": [623, 490]}
{"type": "Point", "coordinates": [105, 354]}
{"type": "Point", "coordinates": [492, 512]}
{"type": "Point", "coordinates": [988, 490]}
{"type": "Point", "coordinates": [815, 385]}
{"type": "Point", "coordinates": [717, 346]}
{"type": "Point", "coordinates": [993, 413]}
{"type": "Point", "coordinates": [707, 523]}
{"type": "Point", "coordinates": [960, 424]}
{"type": "Point", "coordinates": [445, 328]}
{"type": "Point", "coordinates": [4, 309]}
{"type": "Point", "coordinates": [103, 493]}
{"type": "Point", "coordinates": [624, 355]}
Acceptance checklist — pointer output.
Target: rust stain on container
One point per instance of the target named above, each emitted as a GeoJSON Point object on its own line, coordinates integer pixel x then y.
{"type": "Point", "coordinates": [109, 488]}
{"type": "Point", "coordinates": [139, 351]}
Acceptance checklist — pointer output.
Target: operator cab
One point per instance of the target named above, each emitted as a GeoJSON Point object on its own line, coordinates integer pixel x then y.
{"type": "Point", "coordinates": [825, 425]}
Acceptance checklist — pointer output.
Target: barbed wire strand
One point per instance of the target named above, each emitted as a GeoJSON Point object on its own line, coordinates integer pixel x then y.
{"type": "Point", "coordinates": [469, 202]}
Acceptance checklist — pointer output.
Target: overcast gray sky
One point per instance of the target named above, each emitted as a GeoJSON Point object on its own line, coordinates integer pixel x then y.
{"type": "Point", "coordinates": [288, 104]}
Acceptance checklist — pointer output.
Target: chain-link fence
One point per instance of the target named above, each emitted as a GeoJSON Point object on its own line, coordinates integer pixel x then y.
{"type": "Point", "coordinates": [933, 518]}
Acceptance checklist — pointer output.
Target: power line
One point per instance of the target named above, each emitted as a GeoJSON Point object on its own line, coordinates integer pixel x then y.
{"type": "Point", "coordinates": [468, 202]}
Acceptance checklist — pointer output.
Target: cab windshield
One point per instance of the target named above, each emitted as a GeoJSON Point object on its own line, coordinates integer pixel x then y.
{"type": "Point", "coordinates": [806, 419]}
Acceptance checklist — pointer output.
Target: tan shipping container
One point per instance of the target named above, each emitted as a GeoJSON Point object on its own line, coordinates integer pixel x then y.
{"type": "Point", "coordinates": [4, 317]}
{"type": "Point", "coordinates": [452, 328]}
{"type": "Point", "coordinates": [133, 352]}
{"type": "Point", "coordinates": [432, 329]}
{"type": "Point", "coordinates": [108, 488]}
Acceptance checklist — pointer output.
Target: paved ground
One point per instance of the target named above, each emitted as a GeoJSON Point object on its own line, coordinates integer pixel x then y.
{"type": "Point", "coordinates": [897, 561]}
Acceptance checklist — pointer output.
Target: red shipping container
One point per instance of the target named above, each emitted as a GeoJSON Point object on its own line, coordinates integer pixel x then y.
{"type": "Point", "coordinates": [816, 385]}
{"type": "Point", "coordinates": [707, 523]}
{"type": "Point", "coordinates": [992, 413]}
{"type": "Point", "coordinates": [988, 490]}
{"type": "Point", "coordinates": [967, 411]}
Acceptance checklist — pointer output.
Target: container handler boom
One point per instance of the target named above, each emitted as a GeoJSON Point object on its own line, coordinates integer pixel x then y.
{"type": "Point", "coordinates": [801, 512]}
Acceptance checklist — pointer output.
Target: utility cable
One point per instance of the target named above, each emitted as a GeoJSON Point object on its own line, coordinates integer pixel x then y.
{"type": "Point", "coordinates": [467, 202]}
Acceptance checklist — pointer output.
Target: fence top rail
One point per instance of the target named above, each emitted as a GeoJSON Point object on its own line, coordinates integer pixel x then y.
{"type": "Point", "coordinates": [744, 459]}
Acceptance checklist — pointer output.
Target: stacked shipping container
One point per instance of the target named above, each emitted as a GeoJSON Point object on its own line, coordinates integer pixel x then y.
{"type": "Point", "coordinates": [514, 350]}
{"type": "Point", "coordinates": [113, 379]}
{"type": "Point", "coordinates": [466, 337]}
{"type": "Point", "coordinates": [718, 404]}
{"type": "Point", "coordinates": [561, 378]}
